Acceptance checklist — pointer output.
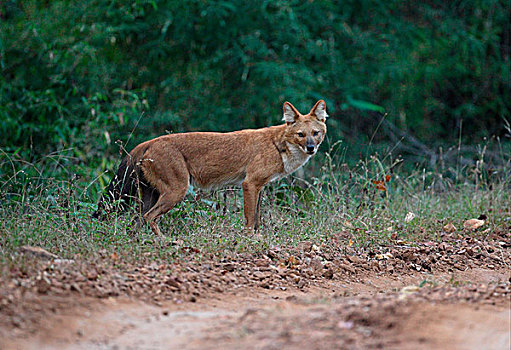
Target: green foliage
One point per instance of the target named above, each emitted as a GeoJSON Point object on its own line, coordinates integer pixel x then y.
{"type": "Point", "coordinates": [81, 74]}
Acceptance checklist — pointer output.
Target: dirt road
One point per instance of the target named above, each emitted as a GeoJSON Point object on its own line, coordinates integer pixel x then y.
{"type": "Point", "coordinates": [430, 296]}
{"type": "Point", "coordinates": [379, 313]}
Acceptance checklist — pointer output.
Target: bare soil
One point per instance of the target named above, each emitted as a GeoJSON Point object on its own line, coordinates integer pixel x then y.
{"type": "Point", "coordinates": [453, 294]}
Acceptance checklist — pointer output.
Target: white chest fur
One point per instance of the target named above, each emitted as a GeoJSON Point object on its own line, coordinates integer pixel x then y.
{"type": "Point", "coordinates": [294, 158]}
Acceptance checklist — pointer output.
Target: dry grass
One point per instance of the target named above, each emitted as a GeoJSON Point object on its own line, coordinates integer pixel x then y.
{"type": "Point", "coordinates": [362, 205]}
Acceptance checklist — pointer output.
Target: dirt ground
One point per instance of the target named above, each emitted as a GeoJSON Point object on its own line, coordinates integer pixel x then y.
{"type": "Point", "coordinates": [453, 294]}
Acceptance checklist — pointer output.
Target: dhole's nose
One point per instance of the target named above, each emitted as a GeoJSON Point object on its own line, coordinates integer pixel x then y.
{"type": "Point", "coordinates": [309, 145]}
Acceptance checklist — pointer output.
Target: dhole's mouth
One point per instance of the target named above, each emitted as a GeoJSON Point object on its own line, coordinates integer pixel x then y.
{"type": "Point", "coordinates": [308, 150]}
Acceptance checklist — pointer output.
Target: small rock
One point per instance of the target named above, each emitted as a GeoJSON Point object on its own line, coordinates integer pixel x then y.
{"type": "Point", "coordinates": [348, 268]}
{"type": "Point", "coordinates": [473, 224]}
{"type": "Point", "coordinates": [406, 291]}
{"type": "Point", "coordinates": [329, 273]}
{"type": "Point", "coordinates": [42, 284]}
{"type": "Point", "coordinates": [383, 256]}
{"type": "Point", "coordinates": [345, 324]}
{"type": "Point", "coordinates": [316, 265]}
{"type": "Point", "coordinates": [92, 275]}
{"type": "Point", "coordinates": [292, 261]}
{"type": "Point", "coordinates": [173, 282]}
{"type": "Point", "coordinates": [17, 322]}
{"type": "Point", "coordinates": [449, 228]}
{"type": "Point", "coordinates": [75, 287]}
{"type": "Point", "coordinates": [261, 262]}
{"type": "Point", "coordinates": [265, 285]}
{"type": "Point", "coordinates": [291, 298]}
{"type": "Point", "coordinates": [274, 253]}
{"type": "Point", "coordinates": [409, 217]}
{"type": "Point", "coordinates": [229, 267]}
{"type": "Point", "coordinates": [261, 275]}
{"type": "Point", "coordinates": [443, 246]}
{"type": "Point", "coordinates": [38, 252]}
{"type": "Point", "coordinates": [305, 246]}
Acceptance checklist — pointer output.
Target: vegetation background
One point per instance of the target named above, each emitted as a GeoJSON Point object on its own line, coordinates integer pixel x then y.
{"type": "Point", "coordinates": [409, 77]}
{"type": "Point", "coordinates": [418, 92]}
{"type": "Point", "coordinates": [412, 184]}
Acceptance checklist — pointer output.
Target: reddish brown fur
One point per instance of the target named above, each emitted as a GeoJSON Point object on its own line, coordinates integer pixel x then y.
{"type": "Point", "coordinates": [251, 158]}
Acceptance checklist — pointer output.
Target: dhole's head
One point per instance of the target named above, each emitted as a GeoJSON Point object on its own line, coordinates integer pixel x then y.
{"type": "Point", "coordinates": [305, 131]}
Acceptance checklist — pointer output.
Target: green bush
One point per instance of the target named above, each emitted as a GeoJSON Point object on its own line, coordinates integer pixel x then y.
{"type": "Point", "coordinates": [82, 74]}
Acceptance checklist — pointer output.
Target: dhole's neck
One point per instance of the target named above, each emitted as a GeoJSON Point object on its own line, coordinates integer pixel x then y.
{"type": "Point", "coordinates": [292, 155]}
{"type": "Point", "coordinates": [279, 137]}
{"type": "Point", "coordinates": [293, 158]}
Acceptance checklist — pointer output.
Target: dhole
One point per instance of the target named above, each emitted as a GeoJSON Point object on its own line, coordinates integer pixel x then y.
{"type": "Point", "coordinates": [159, 171]}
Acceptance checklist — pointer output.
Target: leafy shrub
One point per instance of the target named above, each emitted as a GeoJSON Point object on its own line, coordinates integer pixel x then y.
{"type": "Point", "coordinates": [82, 74]}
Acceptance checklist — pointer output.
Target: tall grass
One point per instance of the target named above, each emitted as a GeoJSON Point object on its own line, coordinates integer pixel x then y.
{"type": "Point", "coordinates": [364, 204]}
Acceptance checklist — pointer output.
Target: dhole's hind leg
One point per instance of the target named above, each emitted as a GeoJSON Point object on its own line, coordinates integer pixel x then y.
{"type": "Point", "coordinates": [148, 196]}
{"type": "Point", "coordinates": [172, 187]}
{"type": "Point", "coordinates": [166, 202]}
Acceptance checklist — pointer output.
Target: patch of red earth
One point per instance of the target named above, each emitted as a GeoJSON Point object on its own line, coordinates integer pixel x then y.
{"type": "Point", "coordinates": [373, 314]}
{"type": "Point", "coordinates": [454, 326]}
{"type": "Point", "coordinates": [305, 297]}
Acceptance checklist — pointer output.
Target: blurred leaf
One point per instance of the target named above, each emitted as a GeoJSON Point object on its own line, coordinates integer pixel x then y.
{"type": "Point", "coordinates": [364, 105]}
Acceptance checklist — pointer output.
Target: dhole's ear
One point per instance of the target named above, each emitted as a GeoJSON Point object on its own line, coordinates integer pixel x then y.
{"type": "Point", "coordinates": [290, 113]}
{"type": "Point", "coordinates": [319, 111]}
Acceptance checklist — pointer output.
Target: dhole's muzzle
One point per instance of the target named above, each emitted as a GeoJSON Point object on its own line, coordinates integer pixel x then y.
{"type": "Point", "coordinates": [310, 146]}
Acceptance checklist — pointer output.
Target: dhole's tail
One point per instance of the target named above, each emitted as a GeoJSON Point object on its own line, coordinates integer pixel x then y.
{"type": "Point", "coordinates": [121, 190]}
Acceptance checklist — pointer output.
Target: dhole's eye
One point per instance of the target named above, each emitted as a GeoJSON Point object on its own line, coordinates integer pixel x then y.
{"type": "Point", "coordinates": [315, 133]}
{"type": "Point", "coordinates": [300, 134]}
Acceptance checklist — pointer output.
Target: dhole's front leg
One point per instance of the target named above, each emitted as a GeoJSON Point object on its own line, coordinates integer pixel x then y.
{"type": "Point", "coordinates": [250, 197]}
{"type": "Point", "coordinates": [257, 219]}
